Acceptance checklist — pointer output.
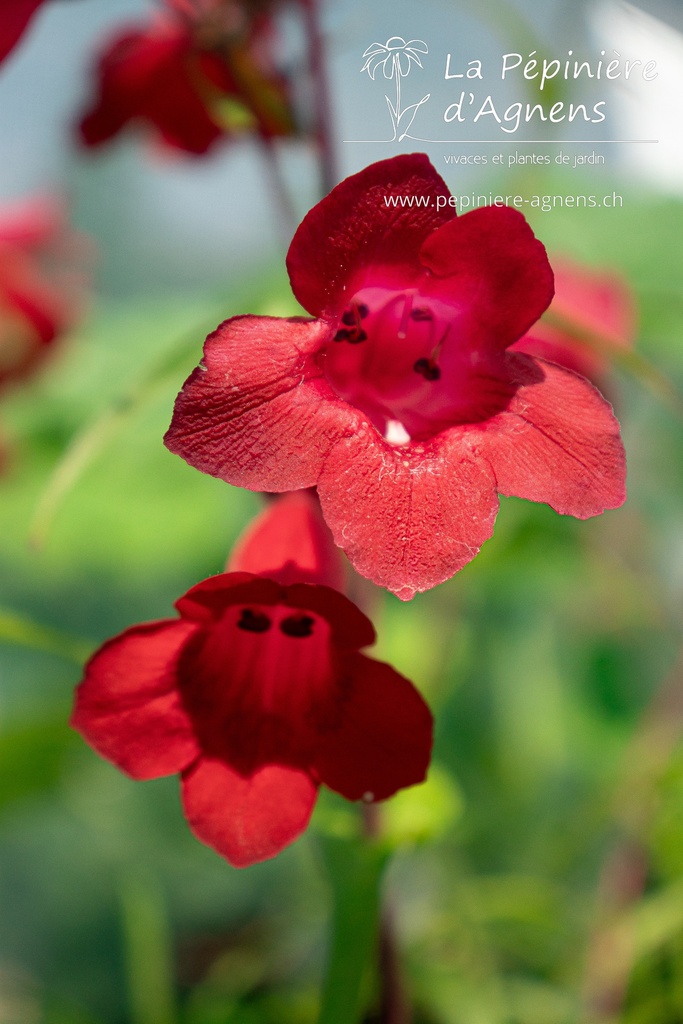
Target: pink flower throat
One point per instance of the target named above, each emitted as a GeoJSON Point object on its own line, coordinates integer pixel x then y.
{"type": "Point", "coordinates": [406, 359]}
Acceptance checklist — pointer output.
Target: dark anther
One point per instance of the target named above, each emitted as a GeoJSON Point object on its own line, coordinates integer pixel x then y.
{"type": "Point", "coordinates": [254, 622]}
{"type": "Point", "coordinates": [342, 335]}
{"type": "Point", "coordinates": [356, 336]}
{"type": "Point", "coordinates": [297, 625]}
{"type": "Point", "coordinates": [420, 313]}
{"type": "Point", "coordinates": [427, 368]}
{"type": "Point", "coordinates": [356, 313]}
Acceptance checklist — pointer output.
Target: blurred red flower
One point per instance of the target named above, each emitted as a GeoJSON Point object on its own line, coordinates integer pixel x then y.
{"type": "Point", "coordinates": [400, 401]}
{"type": "Point", "coordinates": [40, 287]}
{"type": "Point", "coordinates": [257, 693]}
{"type": "Point", "coordinates": [14, 17]}
{"type": "Point", "coordinates": [595, 303]}
{"type": "Point", "coordinates": [196, 74]}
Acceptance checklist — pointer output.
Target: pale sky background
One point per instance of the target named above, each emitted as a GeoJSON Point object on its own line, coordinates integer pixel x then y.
{"type": "Point", "coordinates": [185, 223]}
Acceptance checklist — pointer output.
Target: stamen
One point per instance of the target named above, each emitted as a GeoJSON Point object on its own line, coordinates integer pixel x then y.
{"type": "Point", "coordinates": [254, 622]}
{"type": "Point", "coordinates": [405, 316]}
{"type": "Point", "coordinates": [427, 368]}
{"type": "Point", "coordinates": [342, 335]}
{"type": "Point", "coordinates": [297, 625]}
{"type": "Point", "coordinates": [421, 313]}
{"type": "Point", "coordinates": [355, 313]}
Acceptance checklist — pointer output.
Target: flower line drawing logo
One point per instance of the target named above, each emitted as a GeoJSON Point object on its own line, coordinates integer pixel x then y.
{"type": "Point", "coordinates": [396, 58]}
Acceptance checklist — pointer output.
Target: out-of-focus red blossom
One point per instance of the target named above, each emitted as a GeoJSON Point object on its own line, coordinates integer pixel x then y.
{"type": "Point", "coordinates": [41, 289]}
{"type": "Point", "coordinates": [595, 302]}
{"type": "Point", "coordinates": [257, 694]}
{"type": "Point", "coordinates": [14, 18]}
{"type": "Point", "coordinates": [400, 401]}
{"type": "Point", "coordinates": [195, 75]}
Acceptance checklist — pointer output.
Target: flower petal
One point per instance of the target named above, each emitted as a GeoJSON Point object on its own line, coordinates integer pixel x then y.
{"type": "Point", "coordinates": [490, 261]}
{"type": "Point", "coordinates": [289, 542]}
{"type": "Point", "coordinates": [247, 820]}
{"type": "Point", "coordinates": [384, 739]}
{"type": "Point", "coordinates": [152, 74]}
{"type": "Point", "coordinates": [128, 705]}
{"type": "Point", "coordinates": [408, 517]}
{"type": "Point", "coordinates": [356, 226]}
{"type": "Point", "coordinates": [206, 602]}
{"type": "Point", "coordinates": [14, 18]}
{"type": "Point", "coordinates": [258, 412]}
{"type": "Point", "coordinates": [558, 442]}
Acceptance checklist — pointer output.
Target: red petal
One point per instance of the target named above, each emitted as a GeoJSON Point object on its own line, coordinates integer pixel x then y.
{"type": "Point", "coordinates": [206, 601]}
{"type": "Point", "coordinates": [128, 706]}
{"type": "Point", "coordinates": [384, 739]}
{"type": "Point", "coordinates": [590, 300]}
{"type": "Point", "coordinates": [558, 442]}
{"type": "Point", "coordinates": [14, 18]}
{"type": "Point", "coordinates": [152, 74]}
{"type": "Point", "coordinates": [495, 268]}
{"type": "Point", "coordinates": [290, 542]}
{"type": "Point", "coordinates": [408, 517]}
{"type": "Point", "coordinates": [350, 628]}
{"type": "Point", "coordinates": [355, 227]}
{"type": "Point", "coordinates": [259, 412]}
{"type": "Point", "coordinates": [247, 820]}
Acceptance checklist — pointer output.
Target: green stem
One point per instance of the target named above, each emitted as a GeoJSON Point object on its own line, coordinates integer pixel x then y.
{"type": "Point", "coordinates": [355, 871]}
{"type": "Point", "coordinates": [149, 956]}
{"type": "Point", "coordinates": [89, 441]}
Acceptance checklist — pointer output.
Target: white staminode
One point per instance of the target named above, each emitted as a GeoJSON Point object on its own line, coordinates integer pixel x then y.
{"type": "Point", "coordinates": [396, 433]}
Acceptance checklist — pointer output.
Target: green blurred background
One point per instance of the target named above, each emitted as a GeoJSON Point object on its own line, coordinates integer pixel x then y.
{"type": "Point", "coordinates": [538, 877]}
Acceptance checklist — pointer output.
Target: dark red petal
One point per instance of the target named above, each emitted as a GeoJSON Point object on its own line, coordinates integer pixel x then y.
{"type": "Point", "coordinates": [408, 517]}
{"type": "Point", "coordinates": [128, 706]}
{"type": "Point", "coordinates": [247, 820]}
{"type": "Point", "coordinates": [14, 18]}
{"type": "Point", "coordinates": [558, 442]}
{"type": "Point", "coordinates": [259, 412]}
{"type": "Point", "coordinates": [290, 542]}
{"type": "Point", "coordinates": [384, 739]}
{"type": "Point", "coordinates": [206, 601]}
{"type": "Point", "coordinates": [350, 628]}
{"type": "Point", "coordinates": [495, 267]}
{"type": "Point", "coordinates": [356, 226]}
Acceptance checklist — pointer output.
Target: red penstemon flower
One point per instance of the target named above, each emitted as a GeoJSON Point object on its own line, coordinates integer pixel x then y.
{"type": "Point", "coordinates": [400, 401]}
{"type": "Point", "coordinates": [257, 693]}
{"type": "Point", "coordinates": [40, 285]}
{"type": "Point", "coordinates": [595, 303]}
{"type": "Point", "coordinates": [180, 73]}
{"type": "Point", "coordinates": [14, 18]}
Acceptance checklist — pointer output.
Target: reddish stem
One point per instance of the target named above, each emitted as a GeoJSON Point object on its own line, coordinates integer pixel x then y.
{"type": "Point", "coordinates": [321, 99]}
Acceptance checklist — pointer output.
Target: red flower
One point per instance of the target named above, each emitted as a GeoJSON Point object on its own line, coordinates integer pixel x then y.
{"type": "Point", "coordinates": [256, 694]}
{"type": "Point", "coordinates": [596, 303]}
{"type": "Point", "coordinates": [39, 291]}
{"type": "Point", "coordinates": [192, 79]}
{"type": "Point", "coordinates": [400, 401]}
{"type": "Point", "coordinates": [14, 18]}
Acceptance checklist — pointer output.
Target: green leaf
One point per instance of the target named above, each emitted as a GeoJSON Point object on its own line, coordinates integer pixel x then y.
{"type": "Point", "coordinates": [15, 629]}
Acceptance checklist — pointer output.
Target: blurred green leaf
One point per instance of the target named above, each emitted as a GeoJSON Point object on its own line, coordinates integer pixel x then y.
{"type": "Point", "coordinates": [16, 629]}
{"type": "Point", "coordinates": [422, 813]}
